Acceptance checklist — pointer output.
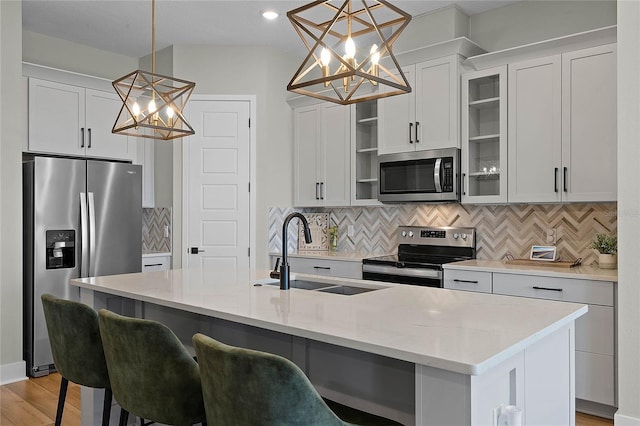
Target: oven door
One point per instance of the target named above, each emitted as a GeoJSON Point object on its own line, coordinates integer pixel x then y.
{"type": "Point", "coordinates": [426, 277]}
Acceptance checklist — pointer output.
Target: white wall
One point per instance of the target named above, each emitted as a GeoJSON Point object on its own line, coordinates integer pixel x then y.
{"type": "Point", "coordinates": [66, 55]}
{"type": "Point", "coordinates": [259, 71]}
{"type": "Point", "coordinates": [12, 128]}
{"type": "Point", "coordinates": [628, 214]}
{"type": "Point", "coordinates": [431, 28]}
{"type": "Point", "coordinates": [530, 21]}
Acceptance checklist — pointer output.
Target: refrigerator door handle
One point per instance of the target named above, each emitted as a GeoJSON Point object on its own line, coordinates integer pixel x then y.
{"type": "Point", "coordinates": [84, 236]}
{"type": "Point", "coordinates": [92, 235]}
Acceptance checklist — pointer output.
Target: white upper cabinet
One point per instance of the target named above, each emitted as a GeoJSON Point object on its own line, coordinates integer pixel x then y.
{"type": "Point", "coordinates": [535, 130]}
{"type": "Point", "coordinates": [71, 120]}
{"type": "Point", "coordinates": [589, 127]}
{"type": "Point", "coordinates": [562, 127]}
{"type": "Point", "coordinates": [322, 158]}
{"type": "Point", "coordinates": [484, 136]}
{"type": "Point", "coordinates": [426, 118]}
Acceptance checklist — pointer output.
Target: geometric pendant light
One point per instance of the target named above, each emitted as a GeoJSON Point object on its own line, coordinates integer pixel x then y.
{"type": "Point", "coordinates": [348, 44]}
{"type": "Point", "coordinates": [152, 104]}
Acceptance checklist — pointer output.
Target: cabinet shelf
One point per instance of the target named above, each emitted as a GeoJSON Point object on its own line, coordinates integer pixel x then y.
{"type": "Point", "coordinates": [485, 138]}
{"type": "Point", "coordinates": [485, 103]}
{"type": "Point", "coordinates": [485, 175]}
{"type": "Point", "coordinates": [369, 120]}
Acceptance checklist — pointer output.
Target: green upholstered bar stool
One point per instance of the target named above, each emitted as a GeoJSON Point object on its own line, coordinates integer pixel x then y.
{"type": "Point", "coordinates": [77, 349]}
{"type": "Point", "coordinates": [245, 387]}
{"type": "Point", "coordinates": [153, 376]}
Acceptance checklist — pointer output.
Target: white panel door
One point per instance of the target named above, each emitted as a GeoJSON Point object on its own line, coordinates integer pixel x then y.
{"type": "Point", "coordinates": [589, 122]}
{"type": "Point", "coordinates": [436, 97]}
{"type": "Point", "coordinates": [335, 185]}
{"type": "Point", "coordinates": [102, 108]}
{"type": "Point", "coordinates": [217, 234]}
{"type": "Point", "coordinates": [535, 131]}
{"type": "Point", "coordinates": [396, 115]}
{"type": "Point", "coordinates": [56, 118]}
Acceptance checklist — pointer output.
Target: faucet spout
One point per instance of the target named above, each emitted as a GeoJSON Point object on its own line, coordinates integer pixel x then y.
{"type": "Point", "coordinates": [284, 268]}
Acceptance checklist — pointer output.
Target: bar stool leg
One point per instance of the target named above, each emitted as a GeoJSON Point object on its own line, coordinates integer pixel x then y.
{"type": "Point", "coordinates": [106, 407]}
{"type": "Point", "coordinates": [64, 383]}
{"type": "Point", "coordinates": [124, 417]}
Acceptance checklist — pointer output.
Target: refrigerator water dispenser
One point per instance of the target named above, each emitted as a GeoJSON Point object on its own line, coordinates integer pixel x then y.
{"type": "Point", "coordinates": [60, 247]}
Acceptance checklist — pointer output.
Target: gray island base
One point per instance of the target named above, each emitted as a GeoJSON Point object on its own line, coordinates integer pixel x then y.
{"type": "Point", "coordinates": [420, 356]}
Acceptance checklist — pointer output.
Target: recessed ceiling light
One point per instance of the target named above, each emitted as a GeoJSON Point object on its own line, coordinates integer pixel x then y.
{"type": "Point", "coordinates": [270, 14]}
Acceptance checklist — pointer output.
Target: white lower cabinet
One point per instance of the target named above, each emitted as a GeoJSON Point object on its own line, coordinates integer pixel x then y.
{"type": "Point", "coordinates": [595, 331]}
{"type": "Point", "coordinates": [156, 262]}
{"type": "Point", "coordinates": [480, 282]}
{"type": "Point", "coordinates": [328, 267]}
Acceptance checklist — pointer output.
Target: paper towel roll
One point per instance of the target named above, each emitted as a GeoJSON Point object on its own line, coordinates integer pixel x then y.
{"type": "Point", "coordinates": [510, 416]}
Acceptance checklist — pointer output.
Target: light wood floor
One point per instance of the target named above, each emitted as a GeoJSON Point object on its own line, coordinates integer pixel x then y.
{"type": "Point", "coordinates": [34, 402]}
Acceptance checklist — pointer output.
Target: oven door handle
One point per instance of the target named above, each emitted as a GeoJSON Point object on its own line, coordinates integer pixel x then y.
{"type": "Point", "coordinates": [404, 272]}
{"type": "Point", "coordinates": [436, 175]}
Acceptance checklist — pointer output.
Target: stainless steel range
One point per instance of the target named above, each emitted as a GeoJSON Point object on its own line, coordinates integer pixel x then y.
{"type": "Point", "coordinates": [421, 253]}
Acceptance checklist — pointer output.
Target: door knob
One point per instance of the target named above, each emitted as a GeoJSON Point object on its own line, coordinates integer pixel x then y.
{"type": "Point", "coordinates": [196, 250]}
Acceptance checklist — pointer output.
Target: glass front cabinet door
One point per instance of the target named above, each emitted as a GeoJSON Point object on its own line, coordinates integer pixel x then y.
{"type": "Point", "coordinates": [484, 136]}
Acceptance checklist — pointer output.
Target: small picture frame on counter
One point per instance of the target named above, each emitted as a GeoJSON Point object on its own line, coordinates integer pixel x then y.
{"type": "Point", "coordinates": [544, 253]}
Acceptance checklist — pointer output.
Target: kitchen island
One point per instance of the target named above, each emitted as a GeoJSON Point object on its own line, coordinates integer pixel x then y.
{"type": "Point", "coordinates": [418, 355]}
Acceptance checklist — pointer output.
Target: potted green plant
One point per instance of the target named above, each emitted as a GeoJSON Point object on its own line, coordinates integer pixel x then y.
{"type": "Point", "coordinates": [607, 247]}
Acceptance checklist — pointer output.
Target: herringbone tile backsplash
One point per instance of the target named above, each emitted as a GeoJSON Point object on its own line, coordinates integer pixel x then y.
{"type": "Point", "coordinates": [501, 229]}
{"type": "Point", "coordinates": [153, 226]}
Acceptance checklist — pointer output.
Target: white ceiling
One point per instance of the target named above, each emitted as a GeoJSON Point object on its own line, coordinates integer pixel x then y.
{"type": "Point", "coordinates": [124, 27]}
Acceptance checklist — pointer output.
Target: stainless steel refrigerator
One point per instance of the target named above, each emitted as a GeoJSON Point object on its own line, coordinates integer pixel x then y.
{"type": "Point", "coordinates": [82, 218]}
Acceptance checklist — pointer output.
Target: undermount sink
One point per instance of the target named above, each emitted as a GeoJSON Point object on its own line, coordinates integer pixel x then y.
{"type": "Point", "coordinates": [347, 290]}
{"type": "Point", "coordinates": [325, 287]}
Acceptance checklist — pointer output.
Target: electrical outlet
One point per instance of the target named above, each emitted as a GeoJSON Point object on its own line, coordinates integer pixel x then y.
{"type": "Point", "coordinates": [350, 231]}
{"type": "Point", "coordinates": [166, 231]}
{"type": "Point", "coordinates": [551, 236]}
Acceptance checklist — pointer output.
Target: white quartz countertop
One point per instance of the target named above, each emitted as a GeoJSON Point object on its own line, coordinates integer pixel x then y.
{"type": "Point", "coordinates": [579, 272]}
{"type": "Point", "coordinates": [459, 331]}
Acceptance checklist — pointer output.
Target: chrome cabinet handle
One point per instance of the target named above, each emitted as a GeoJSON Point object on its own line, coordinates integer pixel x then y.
{"type": "Point", "coordinates": [410, 130]}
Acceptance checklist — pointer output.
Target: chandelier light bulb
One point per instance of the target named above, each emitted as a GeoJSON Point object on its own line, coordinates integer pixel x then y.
{"type": "Point", "coordinates": [152, 106]}
{"type": "Point", "coordinates": [169, 112]}
{"type": "Point", "coordinates": [375, 55]}
{"type": "Point", "coordinates": [350, 48]}
{"type": "Point", "coordinates": [325, 57]}
{"type": "Point", "coordinates": [136, 109]}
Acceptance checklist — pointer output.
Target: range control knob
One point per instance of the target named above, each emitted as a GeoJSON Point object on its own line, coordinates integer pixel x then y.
{"type": "Point", "coordinates": [410, 234]}
{"type": "Point", "coordinates": [464, 236]}
{"type": "Point", "coordinates": [404, 234]}
{"type": "Point", "coordinates": [455, 235]}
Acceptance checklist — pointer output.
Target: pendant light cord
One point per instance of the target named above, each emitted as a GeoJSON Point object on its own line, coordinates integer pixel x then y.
{"type": "Point", "coordinates": [153, 36]}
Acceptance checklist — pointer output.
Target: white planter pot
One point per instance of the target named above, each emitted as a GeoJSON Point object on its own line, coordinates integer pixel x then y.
{"type": "Point", "coordinates": [607, 261]}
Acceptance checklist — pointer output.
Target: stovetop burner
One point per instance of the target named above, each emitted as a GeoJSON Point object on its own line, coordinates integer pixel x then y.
{"type": "Point", "coordinates": [430, 247]}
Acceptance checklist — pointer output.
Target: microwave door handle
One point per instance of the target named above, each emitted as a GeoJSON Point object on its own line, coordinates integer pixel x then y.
{"type": "Point", "coordinates": [436, 175]}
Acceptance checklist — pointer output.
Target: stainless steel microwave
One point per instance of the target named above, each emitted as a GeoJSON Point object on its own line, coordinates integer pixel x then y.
{"type": "Point", "coordinates": [419, 176]}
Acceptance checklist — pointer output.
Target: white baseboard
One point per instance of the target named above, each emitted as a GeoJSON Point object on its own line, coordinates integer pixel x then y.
{"type": "Point", "coordinates": [15, 372]}
{"type": "Point", "coordinates": [621, 420]}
